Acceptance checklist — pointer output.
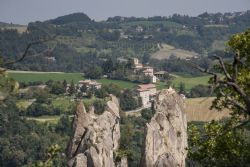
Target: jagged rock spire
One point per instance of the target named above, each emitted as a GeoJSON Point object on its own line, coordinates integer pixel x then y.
{"type": "Point", "coordinates": [96, 137]}
{"type": "Point", "coordinates": [166, 133]}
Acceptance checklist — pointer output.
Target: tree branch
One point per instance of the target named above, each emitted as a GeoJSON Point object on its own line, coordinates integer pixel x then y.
{"type": "Point", "coordinates": [233, 102]}
{"type": "Point", "coordinates": [238, 90]}
{"type": "Point", "coordinates": [234, 128]}
{"type": "Point", "coordinates": [223, 67]}
{"type": "Point", "coordinates": [225, 131]}
{"type": "Point", "coordinates": [27, 49]}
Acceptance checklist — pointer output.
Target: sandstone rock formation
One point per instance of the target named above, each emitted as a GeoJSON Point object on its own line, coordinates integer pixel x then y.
{"type": "Point", "coordinates": [165, 134]}
{"type": "Point", "coordinates": [96, 137]}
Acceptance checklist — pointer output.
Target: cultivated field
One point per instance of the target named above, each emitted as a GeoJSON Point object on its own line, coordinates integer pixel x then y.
{"type": "Point", "coordinates": [167, 50]}
{"type": "Point", "coordinates": [198, 110]}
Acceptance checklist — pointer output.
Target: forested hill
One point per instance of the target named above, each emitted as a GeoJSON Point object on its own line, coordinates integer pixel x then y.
{"type": "Point", "coordinates": [71, 18]}
{"type": "Point", "coordinates": [81, 42]}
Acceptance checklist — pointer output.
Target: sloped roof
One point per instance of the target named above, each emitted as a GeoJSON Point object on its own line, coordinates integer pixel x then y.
{"type": "Point", "coordinates": [145, 87]}
{"type": "Point", "coordinates": [161, 72]}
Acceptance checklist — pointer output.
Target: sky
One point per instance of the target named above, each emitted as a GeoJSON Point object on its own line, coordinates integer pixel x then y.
{"type": "Point", "coordinates": [25, 11]}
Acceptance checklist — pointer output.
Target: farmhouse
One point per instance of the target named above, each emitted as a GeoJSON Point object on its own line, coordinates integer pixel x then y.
{"type": "Point", "coordinates": [139, 29]}
{"type": "Point", "coordinates": [147, 93]}
{"type": "Point", "coordinates": [90, 84]}
{"type": "Point", "coordinates": [145, 70]}
{"type": "Point", "coordinates": [160, 74]}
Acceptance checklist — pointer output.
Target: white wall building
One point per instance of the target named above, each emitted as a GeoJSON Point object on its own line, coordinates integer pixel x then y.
{"type": "Point", "coordinates": [147, 93]}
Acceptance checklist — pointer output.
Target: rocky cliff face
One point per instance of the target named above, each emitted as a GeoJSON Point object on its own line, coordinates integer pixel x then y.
{"type": "Point", "coordinates": [96, 137]}
{"type": "Point", "coordinates": [165, 135]}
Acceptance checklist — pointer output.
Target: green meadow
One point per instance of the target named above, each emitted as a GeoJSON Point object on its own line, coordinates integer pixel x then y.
{"type": "Point", "coordinates": [190, 81]}
{"type": "Point", "coordinates": [33, 76]}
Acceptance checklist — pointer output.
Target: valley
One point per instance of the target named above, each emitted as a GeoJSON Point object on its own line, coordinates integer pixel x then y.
{"type": "Point", "coordinates": [125, 91]}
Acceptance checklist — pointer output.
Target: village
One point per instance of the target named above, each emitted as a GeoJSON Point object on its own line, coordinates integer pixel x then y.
{"type": "Point", "coordinates": [145, 92]}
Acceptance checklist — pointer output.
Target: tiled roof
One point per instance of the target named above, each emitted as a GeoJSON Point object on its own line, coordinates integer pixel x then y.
{"type": "Point", "coordinates": [90, 82]}
{"type": "Point", "coordinates": [161, 72]}
{"type": "Point", "coordinates": [145, 87]}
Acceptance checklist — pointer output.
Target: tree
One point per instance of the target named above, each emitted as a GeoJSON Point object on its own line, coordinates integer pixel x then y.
{"type": "Point", "coordinates": [182, 88]}
{"type": "Point", "coordinates": [113, 89]}
{"type": "Point", "coordinates": [43, 97]}
{"type": "Point", "coordinates": [108, 66]}
{"type": "Point", "coordinates": [83, 88]}
{"type": "Point", "coordinates": [128, 101]}
{"type": "Point", "coordinates": [57, 88]}
{"type": "Point", "coordinates": [210, 148]}
{"type": "Point", "coordinates": [101, 93]}
{"type": "Point", "coordinates": [227, 143]}
{"type": "Point", "coordinates": [64, 125]}
{"type": "Point", "coordinates": [99, 106]}
{"type": "Point", "coordinates": [147, 114]}
{"type": "Point", "coordinates": [233, 89]}
{"type": "Point", "coordinates": [200, 91]}
{"type": "Point", "coordinates": [72, 89]}
{"type": "Point", "coordinates": [145, 58]}
{"type": "Point", "coordinates": [94, 72]}
{"type": "Point", "coordinates": [65, 85]}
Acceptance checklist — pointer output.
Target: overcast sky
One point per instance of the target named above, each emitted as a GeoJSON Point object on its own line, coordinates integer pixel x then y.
{"type": "Point", "coordinates": [24, 11]}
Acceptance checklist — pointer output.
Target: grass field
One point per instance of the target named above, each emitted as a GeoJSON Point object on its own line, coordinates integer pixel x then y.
{"type": "Point", "coordinates": [219, 45]}
{"type": "Point", "coordinates": [122, 84]}
{"type": "Point", "coordinates": [38, 76]}
{"type": "Point", "coordinates": [167, 50]}
{"type": "Point", "coordinates": [31, 76]}
{"type": "Point", "coordinates": [44, 76]}
{"type": "Point", "coordinates": [198, 110]}
{"type": "Point", "coordinates": [63, 103]}
{"type": "Point", "coordinates": [24, 104]}
{"type": "Point", "coordinates": [190, 81]}
{"type": "Point", "coordinates": [43, 119]}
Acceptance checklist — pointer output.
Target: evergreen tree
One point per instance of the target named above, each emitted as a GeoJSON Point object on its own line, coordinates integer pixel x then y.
{"type": "Point", "coordinates": [72, 89]}
{"type": "Point", "coordinates": [182, 88]}
{"type": "Point", "coordinates": [65, 84]}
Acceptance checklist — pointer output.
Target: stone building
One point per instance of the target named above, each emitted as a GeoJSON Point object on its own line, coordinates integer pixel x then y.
{"type": "Point", "coordinates": [136, 65]}
{"type": "Point", "coordinates": [160, 74]}
{"type": "Point", "coordinates": [90, 84]}
{"type": "Point", "coordinates": [147, 93]}
{"type": "Point", "coordinates": [144, 70]}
